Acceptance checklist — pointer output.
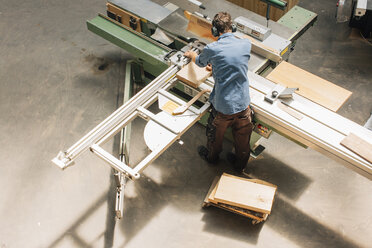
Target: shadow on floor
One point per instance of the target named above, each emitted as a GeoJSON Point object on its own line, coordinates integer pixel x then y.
{"type": "Point", "coordinates": [72, 231]}
{"type": "Point", "coordinates": [224, 223]}
{"type": "Point", "coordinates": [290, 182]}
{"type": "Point", "coordinates": [302, 229]}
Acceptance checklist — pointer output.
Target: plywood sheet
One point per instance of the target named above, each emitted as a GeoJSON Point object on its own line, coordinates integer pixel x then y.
{"type": "Point", "coordinates": [310, 86]}
{"type": "Point", "coordinates": [200, 27]}
{"type": "Point", "coordinates": [193, 75]}
{"type": "Point", "coordinates": [246, 194]}
{"type": "Point", "coordinates": [359, 146]}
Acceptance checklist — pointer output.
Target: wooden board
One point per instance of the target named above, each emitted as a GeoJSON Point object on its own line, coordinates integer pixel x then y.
{"type": "Point", "coordinates": [201, 27]}
{"type": "Point", "coordinates": [209, 200]}
{"type": "Point", "coordinates": [358, 145]}
{"type": "Point", "coordinates": [243, 193]}
{"type": "Point", "coordinates": [123, 16]}
{"type": "Point", "coordinates": [260, 7]}
{"type": "Point", "coordinates": [193, 75]}
{"type": "Point", "coordinates": [310, 86]}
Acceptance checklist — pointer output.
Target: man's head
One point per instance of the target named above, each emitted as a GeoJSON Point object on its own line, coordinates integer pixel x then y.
{"type": "Point", "coordinates": [221, 23]}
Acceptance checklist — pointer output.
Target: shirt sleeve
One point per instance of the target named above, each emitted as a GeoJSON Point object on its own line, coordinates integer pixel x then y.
{"type": "Point", "coordinates": [203, 59]}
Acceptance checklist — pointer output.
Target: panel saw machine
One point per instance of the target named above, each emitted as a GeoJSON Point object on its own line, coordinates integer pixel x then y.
{"type": "Point", "coordinates": [158, 33]}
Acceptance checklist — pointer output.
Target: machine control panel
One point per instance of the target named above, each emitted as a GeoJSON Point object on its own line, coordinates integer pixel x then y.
{"type": "Point", "coordinates": [252, 28]}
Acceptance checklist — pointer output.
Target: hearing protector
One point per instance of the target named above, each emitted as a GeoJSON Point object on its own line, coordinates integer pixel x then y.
{"type": "Point", "coordinates": [216, 32]}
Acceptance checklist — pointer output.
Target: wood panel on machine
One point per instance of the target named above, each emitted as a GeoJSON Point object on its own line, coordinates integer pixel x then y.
{"type": "Point", "coordinates": [193, 75]}
{"type": "Point", "coordinates": [310, 86]}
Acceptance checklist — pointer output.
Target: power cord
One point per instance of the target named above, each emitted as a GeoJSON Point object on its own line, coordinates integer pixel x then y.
{"type": "Point", "coordinates": [369, 42]}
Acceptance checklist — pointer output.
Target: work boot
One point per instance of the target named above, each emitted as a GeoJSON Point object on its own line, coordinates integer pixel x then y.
{"type": "Point", "coordinates": [231, 158]}
{"type": "Point", "coordinates": [203, 153]}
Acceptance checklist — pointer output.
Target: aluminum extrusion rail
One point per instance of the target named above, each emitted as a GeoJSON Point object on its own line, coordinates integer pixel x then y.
{"type": "Point", "coordinates": [319, 128]}
{"type": "Point", "coordinates": [65, 159]}
{"type": "Point", "coordinates": [171, 127]}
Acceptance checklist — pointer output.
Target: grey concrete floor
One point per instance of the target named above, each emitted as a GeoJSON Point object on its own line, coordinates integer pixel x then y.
{"type": "Point", "coordinates": [52, 93]}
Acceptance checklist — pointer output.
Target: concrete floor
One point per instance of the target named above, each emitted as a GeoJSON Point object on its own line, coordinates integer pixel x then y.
{"type": "Point", "coordinates": [52, 93]}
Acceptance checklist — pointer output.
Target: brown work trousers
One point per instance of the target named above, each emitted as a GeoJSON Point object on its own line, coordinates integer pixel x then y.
{"type": "Point", "coordinates": [241, 124]}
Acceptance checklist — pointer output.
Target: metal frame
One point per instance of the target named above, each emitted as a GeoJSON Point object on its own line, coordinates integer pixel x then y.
{"type": "Point", "coordinates": [318, 128]}
{"type": "Point", "coordinates": [135, 107]}
{"type": "Point", "coordinates": [150, 52]}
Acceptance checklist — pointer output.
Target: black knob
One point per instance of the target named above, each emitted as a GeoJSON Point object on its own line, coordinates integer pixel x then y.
{"type": "Point", "coordinates": [274, 94]}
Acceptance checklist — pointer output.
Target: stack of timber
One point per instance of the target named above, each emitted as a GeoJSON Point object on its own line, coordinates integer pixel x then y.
{"type": "Point", "coordinates": [251, 198]}
{"type": "Point", "coordinates": [260, 7]}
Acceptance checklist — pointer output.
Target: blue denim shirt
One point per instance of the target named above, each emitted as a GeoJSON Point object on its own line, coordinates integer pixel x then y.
{"type": "Point", "coordinates": [229, 58]}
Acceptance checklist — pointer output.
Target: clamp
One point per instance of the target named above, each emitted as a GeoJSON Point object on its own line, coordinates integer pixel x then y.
{"type": "Point", "coordinates": [279, 91]}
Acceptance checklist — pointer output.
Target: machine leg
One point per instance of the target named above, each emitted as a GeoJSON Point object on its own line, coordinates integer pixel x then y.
{"type": "Point", "coordinates": [119, 203]}
{"type": "Point", "coordinates": [120, 178]}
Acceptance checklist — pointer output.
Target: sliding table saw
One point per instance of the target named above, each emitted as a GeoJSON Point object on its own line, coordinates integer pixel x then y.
{"type": "Point", "coordinates": [158, 33]}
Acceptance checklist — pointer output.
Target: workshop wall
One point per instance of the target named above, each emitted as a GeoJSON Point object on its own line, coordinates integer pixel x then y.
{"type": "Point", "coordinates": [260, 7]}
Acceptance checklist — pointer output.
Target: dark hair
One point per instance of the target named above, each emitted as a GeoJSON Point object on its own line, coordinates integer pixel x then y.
{"type": "Point", "coordinates": [222, 21]}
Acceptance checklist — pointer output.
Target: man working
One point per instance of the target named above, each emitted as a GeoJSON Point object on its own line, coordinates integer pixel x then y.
{"type": "Point", "coordinates": [230, 99]}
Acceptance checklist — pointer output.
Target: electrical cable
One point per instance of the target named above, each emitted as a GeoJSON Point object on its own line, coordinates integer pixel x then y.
{"type": "Point", "coordinates": [369, 42]}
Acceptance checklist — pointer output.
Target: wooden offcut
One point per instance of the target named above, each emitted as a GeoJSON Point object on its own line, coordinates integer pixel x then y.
{"type": "Point", "coordinates": [310, 86]}
{"type": "Point", "coordinates": [201, 27]}
{"type": "Point", "coordinates": [182, 109]}
{"type": "Point", "coordinates": [170, 106]}
{"type": "Point", "coordinates": [260, 7]}
{"type": "Point", "coordinates": [193, 75]}
{"type": "Point", "coordinates": [123, 16]}
{"type": "Point", "coordinates": [358, 146]}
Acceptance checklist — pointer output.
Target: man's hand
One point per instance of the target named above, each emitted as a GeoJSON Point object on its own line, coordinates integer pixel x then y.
{"type": "Point", "coordinates": [209, 67]}
{"type": "Point", "coordinates": [191, 54]}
